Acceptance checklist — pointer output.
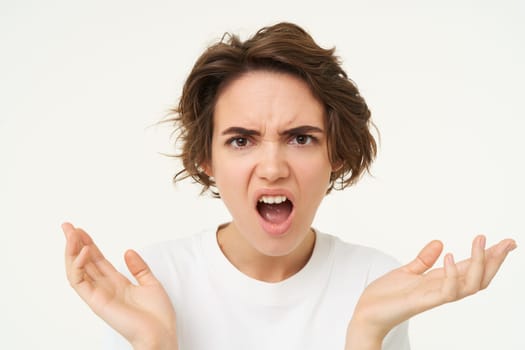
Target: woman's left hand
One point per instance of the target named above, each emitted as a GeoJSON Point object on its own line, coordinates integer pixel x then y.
{"type": "Point", "coordinates": [410, 289]}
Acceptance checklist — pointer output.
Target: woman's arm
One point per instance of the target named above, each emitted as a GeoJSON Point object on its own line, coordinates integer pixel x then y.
{"type": "Point", "coordinates": [412, 289]}
{"type": "Point", "coordinates": [142, 313]}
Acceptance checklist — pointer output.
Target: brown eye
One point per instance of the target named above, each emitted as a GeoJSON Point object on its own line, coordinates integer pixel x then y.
{"type": "Point", "coordinates": [238, 142]}
{"type": "Point", "coordinates": [302, 139]}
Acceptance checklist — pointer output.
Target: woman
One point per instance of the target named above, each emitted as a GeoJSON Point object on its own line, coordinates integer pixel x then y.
{"type": "Point", "coordinates": [271, 125]}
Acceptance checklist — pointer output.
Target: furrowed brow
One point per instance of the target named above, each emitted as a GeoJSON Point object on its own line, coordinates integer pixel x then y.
{"type": "Point", "coordinates": [303, 129]}
{"type": "Point", "coordinates": [236, 130]}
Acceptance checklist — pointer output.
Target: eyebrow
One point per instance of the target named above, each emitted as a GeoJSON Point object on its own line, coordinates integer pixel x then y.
{"type": "Point", "coordinates": [303, 129]}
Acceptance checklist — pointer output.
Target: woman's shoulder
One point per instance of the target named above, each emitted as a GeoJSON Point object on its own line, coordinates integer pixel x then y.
{"type": "Point", "coordinates": [177, 249]}
{"type": "Point", "coordinates": [360, 259]}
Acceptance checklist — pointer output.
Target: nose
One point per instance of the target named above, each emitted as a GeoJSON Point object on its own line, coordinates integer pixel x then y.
{"type": "Point", "coordinates": [272, 164]}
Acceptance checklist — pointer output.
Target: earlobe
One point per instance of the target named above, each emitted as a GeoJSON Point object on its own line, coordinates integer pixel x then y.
{"type": "Point", "coordinates": [206, 169]}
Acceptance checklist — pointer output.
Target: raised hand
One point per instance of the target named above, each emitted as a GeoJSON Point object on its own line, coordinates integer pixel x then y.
{"type": "Point", "coordinates": [410, 289]}
{"type": "Point", "coordinates": [142, 313]}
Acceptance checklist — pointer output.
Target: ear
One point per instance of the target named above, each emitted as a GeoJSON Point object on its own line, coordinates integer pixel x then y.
{"type": "Point", "coordinates": [206, 168]}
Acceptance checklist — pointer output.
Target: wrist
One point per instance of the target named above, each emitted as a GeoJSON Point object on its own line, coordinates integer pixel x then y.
{"type": "Point", "coordinates": [166, 342]}
{"type": "Point", "coordinates": [362, 336]}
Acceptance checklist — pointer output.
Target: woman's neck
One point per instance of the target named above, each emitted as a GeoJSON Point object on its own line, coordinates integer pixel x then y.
{"type": "Point", "coordinates": [257, 265]}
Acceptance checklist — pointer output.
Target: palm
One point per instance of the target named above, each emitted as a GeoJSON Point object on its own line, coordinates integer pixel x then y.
{"type": "Point", "coordinates": [142, 313]}
{"type": "Point", "coordinates": [410, 289]}
{"type": "Point", "coordinates": [400, 294]}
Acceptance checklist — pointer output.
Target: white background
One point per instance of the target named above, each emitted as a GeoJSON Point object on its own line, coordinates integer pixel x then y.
{"type": "Point", "coordinates": [81, 83]}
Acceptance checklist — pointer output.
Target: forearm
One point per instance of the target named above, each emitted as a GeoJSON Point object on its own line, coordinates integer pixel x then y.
{"type": "Point", "coordinates": [165, 344]}
{"type": "Point", "coordinates": [360, 336]}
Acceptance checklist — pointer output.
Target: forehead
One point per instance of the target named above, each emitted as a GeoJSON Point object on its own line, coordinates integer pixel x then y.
{"type": "Point", "coordinates": [267, 98]}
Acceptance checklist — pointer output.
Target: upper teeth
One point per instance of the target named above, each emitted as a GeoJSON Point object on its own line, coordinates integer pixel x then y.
{"type": "Point", "coordinates": [272, 199]}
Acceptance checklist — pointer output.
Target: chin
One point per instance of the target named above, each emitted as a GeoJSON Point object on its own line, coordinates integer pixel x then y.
{"type": "Point", "coordinates": [281, 246]}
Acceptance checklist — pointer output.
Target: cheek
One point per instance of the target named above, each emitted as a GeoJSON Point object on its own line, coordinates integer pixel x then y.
{"type": "Point", "coordinates": [230, 174]}
{"type": "Point", "coordinates": [313, 183]}
{"type": "Point", "coordinates": [313, 168]}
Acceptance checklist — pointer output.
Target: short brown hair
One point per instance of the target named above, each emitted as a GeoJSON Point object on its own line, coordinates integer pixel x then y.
{"type": "Point", "coordinates": [283, 47]}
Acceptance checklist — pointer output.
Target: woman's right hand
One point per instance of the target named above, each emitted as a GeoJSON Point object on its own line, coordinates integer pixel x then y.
{"type": "Point", "coordinates": [142, 313]}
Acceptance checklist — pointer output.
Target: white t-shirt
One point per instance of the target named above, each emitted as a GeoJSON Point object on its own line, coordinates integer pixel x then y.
{"type": "Point", "coordinates": [219, 307]}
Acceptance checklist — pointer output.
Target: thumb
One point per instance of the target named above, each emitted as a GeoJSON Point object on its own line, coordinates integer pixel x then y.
{"type": "Point", "coordinates": [426, 258]}
{"type": "Point", "coordinates": [139, 269]}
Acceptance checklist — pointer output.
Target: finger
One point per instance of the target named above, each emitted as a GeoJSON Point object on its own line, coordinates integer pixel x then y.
{"type": "Point", "coordinates": [93, 271]}
{"type": "Point", "coordinates": [76, 271]}
{"type": "Point", "coordinates": [78, 233]}
{"type": "Point", "coordinates": [493, 251]}
{"type": "Point", "coordinates": [103, 265]}
{"type": "Point", "coordinates": [450, 283]}
{"type": "Point", "coordinates": [79, 277]}
{"type": "Point", "coordinates": [73, 248]}
{"type": "Point", "coordinates": [86, 239]}
{"type": "Point", "coordinates": [84, 269]}
{"type": "Point", "coordinates": [73, 242]}
{"type": "Point", "coordinates": [426, 258]}
{"type": "Point", "coordinates": [476, 269]}
{"type": "Point", "coordinates": [66, 226]}
{"type": "Point", "coordinates": [139, 269]}
{"type": "Point", "coordinates": [494, 258]}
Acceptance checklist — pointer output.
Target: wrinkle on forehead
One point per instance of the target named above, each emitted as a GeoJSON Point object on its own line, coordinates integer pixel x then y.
{"type": "Point", "coordinates": [268, 102]}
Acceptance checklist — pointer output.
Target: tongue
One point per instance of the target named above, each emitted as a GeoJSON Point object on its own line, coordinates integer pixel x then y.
{"type": "Point", "coordinates": [275, 213]}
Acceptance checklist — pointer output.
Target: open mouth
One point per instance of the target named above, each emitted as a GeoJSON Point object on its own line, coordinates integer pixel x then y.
{"type": "Point", "coordinates": [275, 210]}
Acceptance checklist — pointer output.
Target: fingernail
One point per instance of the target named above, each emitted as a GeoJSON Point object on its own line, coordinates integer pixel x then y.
{"type": "Point", "coordinates": [511, 246]}
{"type": "Point", "coordinates": [482, 241]}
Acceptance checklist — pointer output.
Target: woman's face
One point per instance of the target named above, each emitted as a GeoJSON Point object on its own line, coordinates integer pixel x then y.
{"type": "Point", "coordinates": [269, 159]}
